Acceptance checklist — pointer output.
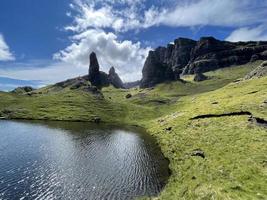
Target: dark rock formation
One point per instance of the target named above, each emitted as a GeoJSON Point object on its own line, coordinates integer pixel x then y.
{"type": "Point", "coordinates": [187, 56]}
{"type": "Point", "coordinates": [96, 77]}
{"type": "Point", "coordinates": [259, 72]}
{"type": "Point", "coordinates": [200, 77]}
{"type": "Point", "coordinates": [155, 71]}
{"type": "Point", "coordinates": [114, 78]}
{"type": "Point", "coordinates": [21, 90]}
{"type": "Point", "coordinates": [101, 79]}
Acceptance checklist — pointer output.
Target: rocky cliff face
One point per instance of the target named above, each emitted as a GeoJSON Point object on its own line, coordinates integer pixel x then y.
{"type": "Point", "coordinates": [101, 79]}
{"type": "Point", "coordinates": [187, 56]}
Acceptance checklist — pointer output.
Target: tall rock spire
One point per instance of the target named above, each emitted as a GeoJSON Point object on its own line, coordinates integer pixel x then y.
{"type": "Point", "coordinates": [94, 73]}
{"type": "Point", "coordinates": [101, 79]}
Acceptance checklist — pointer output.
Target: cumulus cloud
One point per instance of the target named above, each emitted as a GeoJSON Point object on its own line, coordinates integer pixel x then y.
{"type": "Point", "coordinates": [120, 15]}
{"type": "Point", "coordinates": [123, 15]}
{"type": "Point", "coordinates": [127, 57]}
{"type": "Point", "coordinates": [5, 54]}
{"type": "Point", "coordinates": [98, 23]}
{"type": "Point", "coordinates": [248, 34]}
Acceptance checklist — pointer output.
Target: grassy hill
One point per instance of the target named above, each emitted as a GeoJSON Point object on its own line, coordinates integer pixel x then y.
{"type": "Point", "coordinates": [220, 155]}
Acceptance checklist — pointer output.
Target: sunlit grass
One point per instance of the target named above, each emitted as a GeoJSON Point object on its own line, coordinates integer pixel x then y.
{"type": "Point", "coordinates": [235, 149]}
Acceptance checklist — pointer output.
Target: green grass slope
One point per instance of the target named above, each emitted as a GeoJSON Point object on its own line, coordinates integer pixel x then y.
{"type": "Point", "coordinates": [235, 163]}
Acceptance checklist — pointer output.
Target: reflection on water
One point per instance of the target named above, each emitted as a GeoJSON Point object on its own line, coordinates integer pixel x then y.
{"type": "Point", "coordinates": [70, 160]}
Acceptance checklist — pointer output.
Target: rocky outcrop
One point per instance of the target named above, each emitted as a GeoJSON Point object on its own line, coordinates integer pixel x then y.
{"type": "Point", "coordinates": [78, 83]}
{"type": "Point", "coordinates": [211, 54]}
{"type": "Point", "coordinates": [101, 79]}
{"type": "Point", "coordinates": [22, 90]}
{"type": "Point", "coordinates": [155, 71]}
{"type": "Point", "coordinates": [187, 56]}
{"type": "Point", "coordinates": [114, 78]}
{"type": "Point", "coordinates": [259, 72]}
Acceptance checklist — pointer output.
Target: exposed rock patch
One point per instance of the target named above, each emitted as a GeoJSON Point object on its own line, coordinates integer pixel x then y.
{"type": "Point", "coordinates": [199, 153]}
{"type": "Point", "coordinates": [258, 121]}
{"type": "Point", "coordinates": [79, 83]}
{"type": "Point", "coordinates": [259, 72]}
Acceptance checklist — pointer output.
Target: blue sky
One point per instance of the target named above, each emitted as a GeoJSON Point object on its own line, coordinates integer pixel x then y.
{"type": "Point", "coordinates": [42, 42]}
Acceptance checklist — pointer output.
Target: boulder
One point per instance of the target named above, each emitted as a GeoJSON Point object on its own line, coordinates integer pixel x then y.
{"type": "Point", "coordinates": [128, 96]}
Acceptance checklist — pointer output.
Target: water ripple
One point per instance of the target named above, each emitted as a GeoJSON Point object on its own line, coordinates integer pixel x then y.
{"type": "Point", "coordinates": [77, 161]}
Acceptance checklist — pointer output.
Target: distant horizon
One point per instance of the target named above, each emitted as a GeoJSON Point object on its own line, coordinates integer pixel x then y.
{"type": "Point", "coordinates": [46, 48]}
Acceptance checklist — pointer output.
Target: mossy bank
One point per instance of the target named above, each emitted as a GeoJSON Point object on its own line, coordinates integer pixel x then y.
{"type": "Point", "coordinates": [218, 157]}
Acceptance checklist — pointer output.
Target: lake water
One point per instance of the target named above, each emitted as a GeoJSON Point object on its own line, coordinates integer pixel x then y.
{"type": "Point", "coordinates": [73, 160]}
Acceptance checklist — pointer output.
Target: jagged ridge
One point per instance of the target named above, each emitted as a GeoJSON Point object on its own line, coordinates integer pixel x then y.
{"type": "Point", "coordinates": [188, 56]}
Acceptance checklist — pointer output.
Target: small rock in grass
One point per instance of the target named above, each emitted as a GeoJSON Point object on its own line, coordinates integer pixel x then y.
{"type": "Point", "coordinates": [96, 120]}
{"type": "Point", "coordinates": [198, 152]}
{"type": "Point", "coordinates": [128, 96]}
{"type": "Point", "coordinates": [168, 128]}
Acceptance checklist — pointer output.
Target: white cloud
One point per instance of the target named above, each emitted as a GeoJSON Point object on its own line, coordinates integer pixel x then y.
{"type": "Point", "coordinates": [248, 34]}
{"type": "Point", "coordinates": [92, 19]}
{"type": "Point", "coordinates": [5, 54]}
{"type": "Point", "coordinates": [127, 57]}
{"type": "Point", "coordinates": [208, 12]}
{"type": "Point", "coordinates": [119, 15]}
{"type": "Point", "coordinates": [131, 15]}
